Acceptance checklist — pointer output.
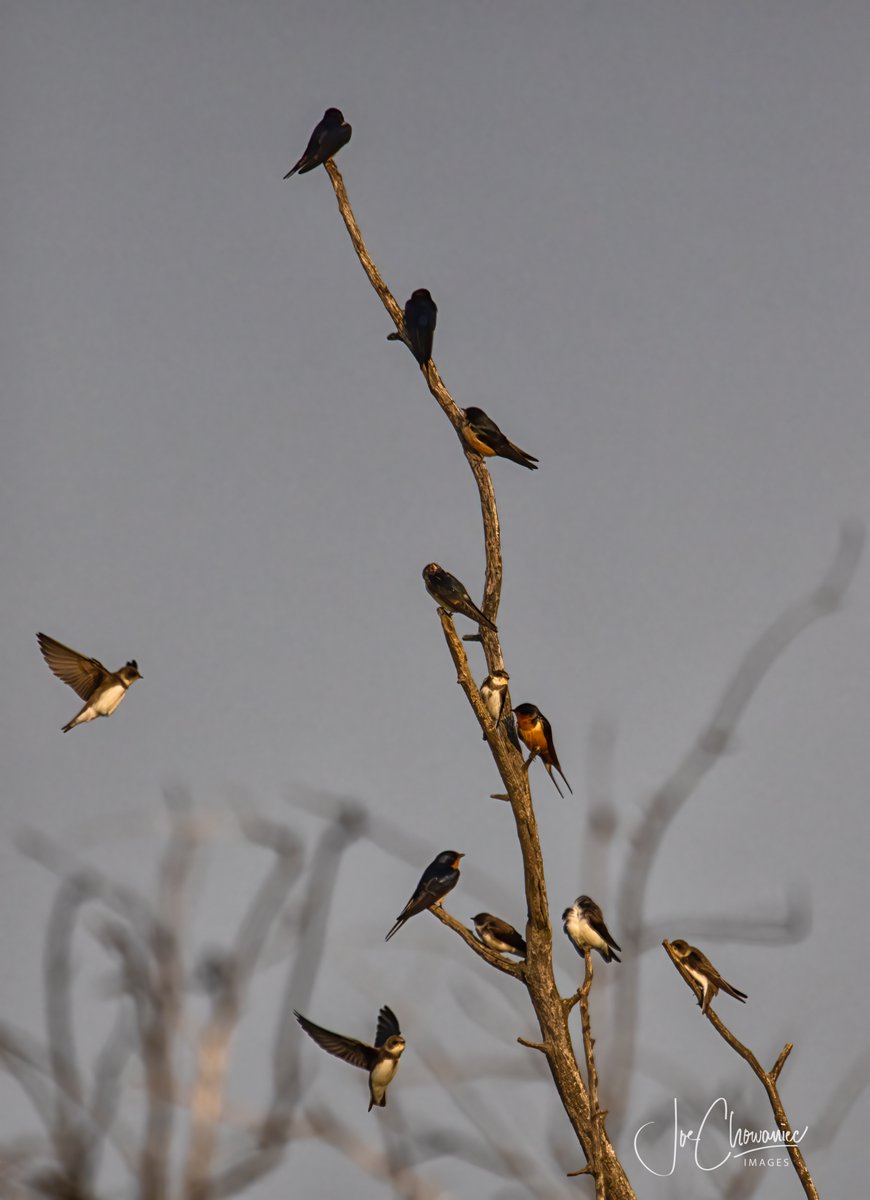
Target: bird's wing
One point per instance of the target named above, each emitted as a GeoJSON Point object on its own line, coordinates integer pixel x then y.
{"type": "Point", "coordinates": [358, 1054]}
{"type": "Point", "coordinates": [388, 1025]}
{"type": "Point", "coordinates": [80, 673]}
{"type": "Point", "coordinates": [732, 990]}
{"type": "Point", "coordinates": [607, 935]}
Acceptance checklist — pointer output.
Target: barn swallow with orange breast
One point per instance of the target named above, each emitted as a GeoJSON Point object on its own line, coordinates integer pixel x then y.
{"type": "Point", "coordinates": [534, 730]}
{"type": "Point", "coordinates": [705, 974]}
{"type": "Point", "coordinates": [381, 1060]}
{"type": "Point", "coordinates": [497, 935]}
{"type": "Point", "coordinates": [584, 925]}
{"type": "Point", "coordinates": [452, 596]}
{"type": "Point", "coordinates": [440, 877]}
{"type": "Point", "coordinates": [101, 690]}
{"type": "Point", "coordinates": [483, 435]}
{"type": "Point", "coordinates": [421, 315]}
{"type": "Point", "coordinates": [330, 134]}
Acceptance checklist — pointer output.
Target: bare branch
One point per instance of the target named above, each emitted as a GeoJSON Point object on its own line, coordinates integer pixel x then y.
{"type": "Point", "coordinates": [768, 1080]}
{"type": "Point", "coordinates": [712, 742]}
{"type": "Point", "coordinates": [592, 1078]}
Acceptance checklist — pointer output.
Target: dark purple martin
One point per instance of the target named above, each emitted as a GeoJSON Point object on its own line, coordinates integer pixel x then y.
{"type": "Point", "coordinates": [440, 877]}
{"type": "Point", "coordinates": [584, 925]}
{"type": "Point", "coordinates": [452, 596]}
{"type": "Point", "coordinates": [329, 136]}
{"type": "Point", "coordinates": [498, 935]}
{"type": "Point", "coordinates": [421, 314]}
{"type": "Point", "coordinates": [705, 974]}
{"type": "Point", "coordinates": [381, 1060]}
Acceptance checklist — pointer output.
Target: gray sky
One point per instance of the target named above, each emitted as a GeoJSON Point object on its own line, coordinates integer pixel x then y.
{"type": "Point", "coordinates": [646, 229]}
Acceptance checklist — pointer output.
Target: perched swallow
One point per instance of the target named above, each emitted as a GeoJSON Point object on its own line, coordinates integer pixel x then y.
{"type": "Point", "coordinates": [703, 972]}
{"type": "Point", "coordinates": [440, 877]}
{"type": "Point", "coordinates": [452, 596]}
{"type": "Point", "coordinates": [585, 926]}
{"type": "Point", "coordinates": [534, 729]}
{"type": "Point", "coordinates": [494, 694]}
{"type": "Point", "coordinates": [328, 137]}
{"type": "Point", "coordinates": [498, 935]}
{"type": "Point", "coordinates": [483, 435]}
{"type": "Point", "coordinates": [421, 314]}
{"type": "Point", "coordinates": [101, 690]}
{"type": "Point", "coordinates": [381, 1060]}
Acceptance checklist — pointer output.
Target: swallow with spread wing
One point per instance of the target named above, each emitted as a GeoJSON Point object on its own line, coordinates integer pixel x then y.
{"type": "Point", "coordinates": [101, 690]}
{"type": "Point", "coordinates": [380, 1060]}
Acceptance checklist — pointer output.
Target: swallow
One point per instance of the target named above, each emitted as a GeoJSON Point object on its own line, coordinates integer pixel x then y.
{"type": "Point", "coordinates": [705, 974]}
{"type": "Point", "coordinates": [534, 730]}
{"type": "Point", "coordinates": [498, 935]}
{"type": "Point", "coordinates": [483, 435]}
{"type": "Point", "coordinates": [584, 925]}
{"type": "Point", "coordinates": [440, 877]}
{"type": "Point", "coordinates": [421, 314]}
{"type": "Point", "coordinates": [101, 690]}
{"type": "Point", "coordinates": [328, 137]}
{"type": "Point", "coordinates": [452, 596]}
{"type": "Point", "coordinates": [494, 694]}
{"type": "Point", "coordinates": [380, 1060]}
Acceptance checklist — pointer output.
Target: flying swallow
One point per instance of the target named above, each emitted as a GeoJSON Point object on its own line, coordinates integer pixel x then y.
{"type": "Point", "coordinates": [584, 925]}
{"type": "Point", "coordinates": [328, 137]}
{"type": "Point", "coordinates": [101, 690]}
{"type": "Point", "coordinates": [704, 973]}
{"type": "Point", "coordinates": [534, 729]}
{"type": "Point", "coordinates": [483, 435]}
{"type": "Point", "coordinates": [421, 314]}
{"type": "Point", "coordinates": [381, 1060]}
{"type": "Point", "coordinates": [498, 935]}
{"type": "Point", "coordinates": [452, 596]}
{"type": "Point", "coordinates": [440, 877]}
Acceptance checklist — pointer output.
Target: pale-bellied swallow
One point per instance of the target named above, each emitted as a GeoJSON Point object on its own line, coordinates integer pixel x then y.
{"type": "Point", "coordinates": [705, 974]}
{"type": "Point", "coordinates": [452, 596]}
{"type": "Point", "coordinates": [101, 690]}
{"type": "Point", "coordinates": [494, 694]}
{"type": "Point", "coordinates": [483, 435]}
{"type": "Point", "coordinates": [440, 877]}
{"type": "Point", "coordinates": [421, 315]}
{"type": "Point", "coordinates": [328, 137]}
{"type": "Point", "coordinates": [584, 925]}
{"type": "Point", "coordinates": [498, 935]}
{"type": "Point", "coordinates": [381, 1060]}
{"type": "Point", "coordinates": [535, 731]}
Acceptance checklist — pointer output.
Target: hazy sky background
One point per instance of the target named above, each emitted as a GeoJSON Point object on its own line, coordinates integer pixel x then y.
{"type": "Point", "coordinates": [646, 227]}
